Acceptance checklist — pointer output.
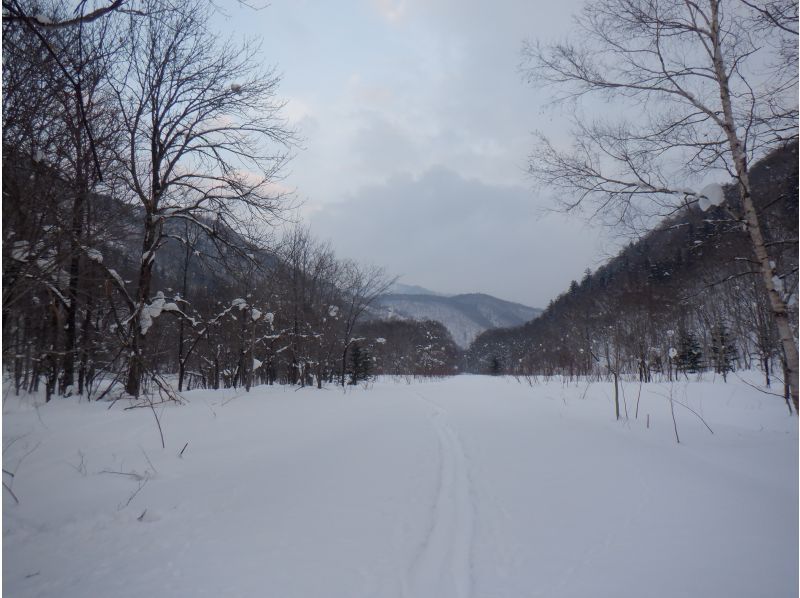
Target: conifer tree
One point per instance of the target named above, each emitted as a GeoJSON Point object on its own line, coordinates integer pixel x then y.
{"type": "Point", "coordinates": [360, 366]}
{"type": "Point", "coordinates": [690, 355]}
{"type": "Point", "coordinates": [495, 367]}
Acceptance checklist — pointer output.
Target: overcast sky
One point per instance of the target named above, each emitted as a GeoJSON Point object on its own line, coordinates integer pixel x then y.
{"type": "Point", "coordinates": [416, 127]}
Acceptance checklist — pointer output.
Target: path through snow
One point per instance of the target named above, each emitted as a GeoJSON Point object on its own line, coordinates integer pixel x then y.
{"type": "Point", "coordinates": [469, 487]}
{"type": "Point", "coordinates": [443, 564]}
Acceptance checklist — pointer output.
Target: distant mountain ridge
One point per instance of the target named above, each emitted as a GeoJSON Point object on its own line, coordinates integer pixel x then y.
{"type": "Point", "coordinates": [399, 288]}
{"type": "Point", "coordinates": [465, 316]}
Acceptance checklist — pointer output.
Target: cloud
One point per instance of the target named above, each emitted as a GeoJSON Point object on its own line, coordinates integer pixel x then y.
{"type": "Point", "coordinates": [455, 235]}
{"type": "Point", "coordinates": [417, 126]}
{"type": "Point", "coordinates": [391, 10]}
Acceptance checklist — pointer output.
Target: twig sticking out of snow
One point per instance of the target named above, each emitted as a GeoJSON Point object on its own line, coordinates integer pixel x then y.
{"type": "Point", "coordinates": [133, 474]}
{"type": "Point", "coordinates": [142, 484]}
{"type": "Point", "coordinates": [14, 496]}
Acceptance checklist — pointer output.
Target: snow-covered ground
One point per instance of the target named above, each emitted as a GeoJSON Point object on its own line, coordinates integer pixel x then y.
{"type": "Point", "coordinates": [465, 487]}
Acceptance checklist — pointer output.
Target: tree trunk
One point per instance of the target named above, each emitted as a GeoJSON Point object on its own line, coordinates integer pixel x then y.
{"type": "Point", "coordinates": [766, 266]}
{"type": "Point", "coordinates": [181, 359]}
{"type": "Point", "coordinates": [71, 327]}
{"type": "Point", "coordinates": [250, 366]}
{"type": "Point", "coordinates": [83, 369]}
{"type": "Point", "coordinates": [149, 246]}
{"type": "Point", "coordinates": [343, 373]}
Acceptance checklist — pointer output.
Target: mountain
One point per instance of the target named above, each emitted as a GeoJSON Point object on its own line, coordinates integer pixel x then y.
{"type": "Point", "coordinates": [399, 288]}
{"type": "Point", "coordinates": [464, 316]}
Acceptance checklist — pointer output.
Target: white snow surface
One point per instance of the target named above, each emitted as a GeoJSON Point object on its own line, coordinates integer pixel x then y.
{"type": "Point", "coordinates": [465, 487]}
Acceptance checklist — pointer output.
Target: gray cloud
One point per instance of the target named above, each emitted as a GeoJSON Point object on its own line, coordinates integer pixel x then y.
{"type": "Point", "coordinates": [453, 234]}
{"type": "Point", "coordinates": [417, 128]}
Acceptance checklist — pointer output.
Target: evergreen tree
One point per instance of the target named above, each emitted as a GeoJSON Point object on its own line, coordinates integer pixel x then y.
{"type": "Point", "coordinates": [690, 356]}
{"type": "Point", "coordinates": [495, 367]}
{"type": "Point", "coordinates": [360, 365]}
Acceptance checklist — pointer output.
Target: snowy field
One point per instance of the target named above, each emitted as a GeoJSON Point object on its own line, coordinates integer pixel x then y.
{"type": "Point", "coordinates": [466, 487]}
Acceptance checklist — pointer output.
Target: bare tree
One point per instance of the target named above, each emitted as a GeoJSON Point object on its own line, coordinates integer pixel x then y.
{"type": "Point", "coordinates": [360, 287]}
{"type": "Point", "coordinates": [204, 135]}
{"type": "Point", "coordinates": [715, 87]}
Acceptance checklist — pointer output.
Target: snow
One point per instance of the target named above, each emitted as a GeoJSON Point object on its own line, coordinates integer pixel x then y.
{"type": "Point", "coordinates": [333, 311]}
{"type": "Point", "coordinates": [20, 250]}
{"type": "Point", "coordinates": [255, 314]}
{"type": "Point", "coordinates": [94, 255]}
{"type": "Point", "coordinates": [115, 275]}
{"type": "Point", "coordinates": [469, 486]}
{"type": "Point", "coordinates": [151, 311]}
{"type": "Point", "coordinates": [777, 282]}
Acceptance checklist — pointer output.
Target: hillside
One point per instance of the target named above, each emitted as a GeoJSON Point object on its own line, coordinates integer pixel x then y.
{"type": "Point", "coordinates": [465, 316]}
{"type": "Point", "coordinates": [690, 282]}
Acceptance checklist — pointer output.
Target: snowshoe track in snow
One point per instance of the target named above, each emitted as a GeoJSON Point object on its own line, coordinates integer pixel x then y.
{"type": "Point", "coordinates": [442, 567]}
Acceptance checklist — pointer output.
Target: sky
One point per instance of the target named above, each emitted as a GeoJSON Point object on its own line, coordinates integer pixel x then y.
{"type": "Point", "coordinates": [416, 125]}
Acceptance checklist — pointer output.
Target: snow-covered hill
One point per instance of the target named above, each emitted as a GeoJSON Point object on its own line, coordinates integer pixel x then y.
{"type": "Point", "coordinates": [469, 486]}
{"type": "Point", "coordinates": [464, 316]}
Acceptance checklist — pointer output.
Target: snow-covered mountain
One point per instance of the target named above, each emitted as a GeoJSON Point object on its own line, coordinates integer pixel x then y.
{"type": "Point", "coordinates": [464, 316]}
